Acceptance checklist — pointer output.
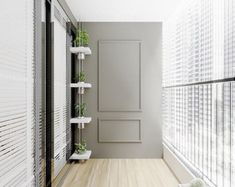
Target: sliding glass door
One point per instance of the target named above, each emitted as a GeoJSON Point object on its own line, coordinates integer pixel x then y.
{"type": "Point", "coordinates": [61, 60]}
{"type": "Point", "coordinates": [59, 100]}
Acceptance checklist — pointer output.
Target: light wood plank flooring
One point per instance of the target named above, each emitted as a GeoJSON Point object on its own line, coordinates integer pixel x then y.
{"type": "Point", "coordinates": [118, 173]}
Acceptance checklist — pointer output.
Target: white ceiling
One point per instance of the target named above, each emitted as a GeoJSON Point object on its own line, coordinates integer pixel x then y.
{"type": "Point", "coordinates": [123, 10]}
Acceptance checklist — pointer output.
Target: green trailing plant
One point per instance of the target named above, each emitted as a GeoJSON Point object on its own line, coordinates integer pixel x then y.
{"type": "Point", "coordinates": [81, 77]}
{"type": "Point", "coordinates": [82, 38]}
{"type": "Point", "coordinates": [83, 109]}
{"type": "Point", "coordinates": [80, 109]}
{"type": "Point", "coordinates": [80, 148]}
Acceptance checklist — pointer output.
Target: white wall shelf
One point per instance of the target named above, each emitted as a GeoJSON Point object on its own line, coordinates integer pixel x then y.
{"type": "Point", "coordinates": [80, 120]}
{"type": "Point", "coordinates": [85, 50]}
{"type": "Point", "coordinates": [84, 156]}
{"type": "Point", "coordinates": [80, 85]}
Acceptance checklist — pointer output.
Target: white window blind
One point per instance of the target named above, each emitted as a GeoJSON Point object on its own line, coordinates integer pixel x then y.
{"type": "Point", "coordinates": [60, 108]}
{"type": "Point", "coordinates": [16, 93]}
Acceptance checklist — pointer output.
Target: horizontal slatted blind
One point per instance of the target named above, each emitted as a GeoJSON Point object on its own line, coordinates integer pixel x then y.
{"type": "Point", "coordinates": [16, 95]}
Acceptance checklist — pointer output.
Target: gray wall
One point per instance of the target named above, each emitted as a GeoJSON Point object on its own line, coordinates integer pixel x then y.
{"type": "Point", "coordinates": [125, 99]}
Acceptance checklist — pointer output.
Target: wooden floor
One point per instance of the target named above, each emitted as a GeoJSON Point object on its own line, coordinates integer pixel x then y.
{"type": "Point", "coordinates": [118, 173]}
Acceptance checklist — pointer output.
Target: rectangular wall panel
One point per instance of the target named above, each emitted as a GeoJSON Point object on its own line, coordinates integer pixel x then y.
{"type": "Point", "coordinates": [119, 130]}
{"type": "Point", "coordinates": [119, 75]}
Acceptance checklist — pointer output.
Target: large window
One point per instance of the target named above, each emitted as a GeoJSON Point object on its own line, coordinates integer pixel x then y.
{"type": "Point", "coordinates": [199, 89]}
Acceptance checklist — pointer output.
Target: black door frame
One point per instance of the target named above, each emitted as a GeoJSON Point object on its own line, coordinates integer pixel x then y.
{"type": "Point", "coordinates": [49, 92]}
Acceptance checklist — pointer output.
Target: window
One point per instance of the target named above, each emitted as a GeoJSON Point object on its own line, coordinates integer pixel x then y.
{"type": "Point", "coordinates": [198, 89]}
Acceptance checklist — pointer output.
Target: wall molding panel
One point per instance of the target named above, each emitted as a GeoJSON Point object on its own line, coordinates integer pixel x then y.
{"type": "Point", "coordinates": [119, 130]}
{"type": "Point", "coordinates": [115, 58]}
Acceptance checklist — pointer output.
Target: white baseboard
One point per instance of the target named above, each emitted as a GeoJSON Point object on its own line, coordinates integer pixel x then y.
{"type": "Point", "coordinates": [178, 168]}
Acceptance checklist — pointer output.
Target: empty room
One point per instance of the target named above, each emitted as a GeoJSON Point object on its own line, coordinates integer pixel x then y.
{"type": "Point", "coordinates": [117, 93]}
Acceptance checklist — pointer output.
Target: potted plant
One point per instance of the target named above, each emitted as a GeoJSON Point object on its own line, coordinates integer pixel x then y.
{"type": "Point", "coordinates": [80, 110]}
{"type": "Point", "coordinates": [82, 38]}
{"type": "Point", "coordinates": [80, 77]}
{"type": "Point", "coordinates": [80, 148]}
